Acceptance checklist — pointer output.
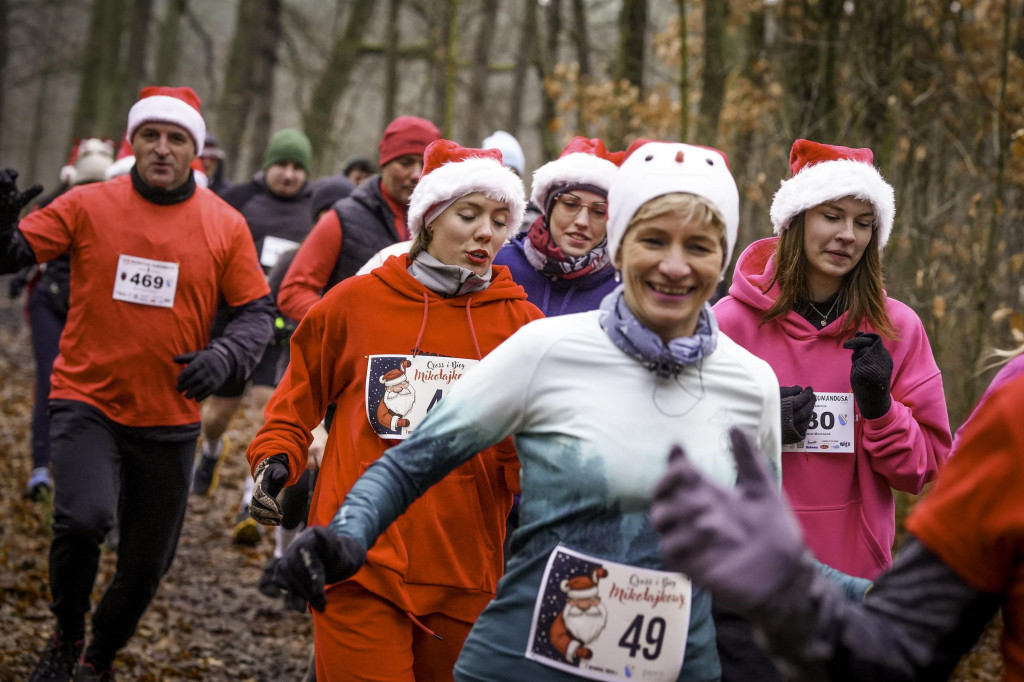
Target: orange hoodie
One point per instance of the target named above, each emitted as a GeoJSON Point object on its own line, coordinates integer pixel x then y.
{"type": "Point", "coordinates": [443, 555]}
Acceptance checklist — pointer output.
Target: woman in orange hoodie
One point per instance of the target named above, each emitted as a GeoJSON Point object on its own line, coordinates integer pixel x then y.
{"type": "Point", "coordinates": [385, 347]}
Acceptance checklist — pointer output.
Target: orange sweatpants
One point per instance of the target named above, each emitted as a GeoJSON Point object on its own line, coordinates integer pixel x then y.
{"type": "Point", "coordinates": [361, 637]}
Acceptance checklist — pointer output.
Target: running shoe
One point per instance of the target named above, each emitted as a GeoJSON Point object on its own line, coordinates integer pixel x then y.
{"type": "Point", "coordinates": [206, 475]}
{"type": "Point", "coordinates": [57, 663]}
{"type": "Point", "coordinates": [246, 531]}
{"type": "Point", "coordinates": [86, 672]}
{"type": "Point", "coordinates": [39, 487]}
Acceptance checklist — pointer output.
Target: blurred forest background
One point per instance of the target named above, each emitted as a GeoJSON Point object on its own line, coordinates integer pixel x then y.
{"type": "Point", "coordinates": [934, 87]}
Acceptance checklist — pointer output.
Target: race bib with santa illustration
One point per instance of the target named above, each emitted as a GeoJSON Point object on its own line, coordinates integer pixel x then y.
{"type": "Point", "coordinates": [401, 389]}
{"type": "Point", "coordinates": [602, 620]}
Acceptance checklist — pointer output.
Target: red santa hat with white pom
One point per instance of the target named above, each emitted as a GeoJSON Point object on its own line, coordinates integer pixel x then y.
{"type": "Point", "coordinates": [584, 163]}
{"type": "Point", "coordinates": [583, 586]}
{"type": "Point", "coordinates": [823, 172]}
{"type": "Point", "coordinates": [451, 171]}
{"type": "Point", "coordinates": [161, 104]}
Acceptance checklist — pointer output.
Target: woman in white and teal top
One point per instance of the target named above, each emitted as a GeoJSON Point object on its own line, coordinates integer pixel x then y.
{"type": "Point", "coordinates": [594, 401]}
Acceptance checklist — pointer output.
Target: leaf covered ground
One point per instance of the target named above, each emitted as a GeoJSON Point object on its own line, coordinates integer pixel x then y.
{"type": "Point", "coordinates": [208, 621]}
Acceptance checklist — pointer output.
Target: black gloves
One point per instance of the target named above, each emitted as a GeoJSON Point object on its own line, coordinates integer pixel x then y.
{"type": "Point", "coordinates": [316, 558]}
{"type": "Point", "coordinates": [206, 372]}
{"type": "Point", "coordinates": [269, 478]}
{"type": "Point", "coordinates": [797, 409]}
{"type": "Point", "coordinates": [11, 200]}
{"type": "Point", "coordinates": [870, 374]}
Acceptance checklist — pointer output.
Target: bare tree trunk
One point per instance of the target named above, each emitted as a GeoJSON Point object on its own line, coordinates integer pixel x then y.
{"type": "Point", "coordinates": [391, 83]}
{"type": "Point", "coordinates": [233, 111]}
{"type": "Point", "coordinates": [334, 80]}
{"type": "Point", "coordinates": [40, 122]}
{"type": "Point", "coordinates": [684, 76]}
{"type": "Point", "coordinates": [481, 70]}
{"type": "Point", "coordinates": [712, 95]}
{"type": "Point", "coordinates": [545, 56]}
{"type": "Point", "coordinates": [167, 56]}
{"type": "Point", "coordinates": [446, 66]}
{"type": "Point", "coordinates": [100, 61]}
{"type": "Point", "coordinates": [523, 58]}
{"type": "Point", "coordinates": [5, 22]}
{"type": "Point", "coordinates": [265, 41]}
{"type": "Point", "coordinates": [629, 62]}
{"type": "Point", "coordinates": [582, 42]}
{"type": "Point", "coordinates": [135, 65]}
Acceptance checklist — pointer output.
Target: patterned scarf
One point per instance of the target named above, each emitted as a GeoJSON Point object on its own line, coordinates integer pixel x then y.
{"type": "Point", "coordinates": [547, 258]}
{"type": "Point", "coordinates": [640, 343]}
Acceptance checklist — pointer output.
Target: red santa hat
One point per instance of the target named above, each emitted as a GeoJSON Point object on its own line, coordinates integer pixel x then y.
{"type": "Point", "coordinates": [583, 586]}
{"type": "Point", "coordinates": [823, 172]}
{"type": "Point", "coordinates": [654, 169]}
{"type": "Point", "coordinates": [395, 376]}
{"type": "Point", "coordinates": [583, 162]}
{"type": "Point", "coordinates": [451, 171]}
{"type": "Point", "coordinates": [88, 162]}
{"type": "Point", "coordinates": [161, 104]}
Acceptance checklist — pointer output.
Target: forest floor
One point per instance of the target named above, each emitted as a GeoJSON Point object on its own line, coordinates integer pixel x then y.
{"type": "Point", "coordinates": [208, 621]}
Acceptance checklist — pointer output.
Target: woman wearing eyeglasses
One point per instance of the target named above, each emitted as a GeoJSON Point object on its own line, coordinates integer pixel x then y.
{"type": "Point", "coordinates": [562, 260]}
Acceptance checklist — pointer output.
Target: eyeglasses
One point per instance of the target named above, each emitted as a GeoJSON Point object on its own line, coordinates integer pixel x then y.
{"type": "Point", "coordinates": [572, 204]}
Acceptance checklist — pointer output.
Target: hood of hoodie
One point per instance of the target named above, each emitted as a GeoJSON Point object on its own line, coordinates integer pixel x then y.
{"type": "Point", "coordinates": [395, 273]}
{"type": "Point", "coordinates": [755, 269]}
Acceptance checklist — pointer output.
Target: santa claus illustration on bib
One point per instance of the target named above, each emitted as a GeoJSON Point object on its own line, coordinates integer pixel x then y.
{"type": "Point", "coordinates": [399, 397]}
{"type": "Point", "coordinates": [583, 618]}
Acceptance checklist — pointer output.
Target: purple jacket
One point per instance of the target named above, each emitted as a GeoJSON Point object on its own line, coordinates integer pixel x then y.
{"type": "Point", "coordinates": [844, 501]}
{"type": "Point", "coordinates": [555, 296]}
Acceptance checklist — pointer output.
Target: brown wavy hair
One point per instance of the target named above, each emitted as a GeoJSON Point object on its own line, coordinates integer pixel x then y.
{"type": "Point", "coordinates": [861, 293]}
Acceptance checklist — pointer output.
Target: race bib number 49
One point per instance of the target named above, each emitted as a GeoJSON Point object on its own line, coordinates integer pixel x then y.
{"type": "Point", "coordinates": [401, 389]}
{"type": "Point", "coordinates": [831, 427]}
{"type": "Point", "coordinates": [145, 281]}
{"type": "Point", "coordinates": [602, 620]}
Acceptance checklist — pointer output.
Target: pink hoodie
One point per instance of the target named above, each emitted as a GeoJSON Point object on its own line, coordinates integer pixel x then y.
{"type": "Point", "coordinates": [845, 501]}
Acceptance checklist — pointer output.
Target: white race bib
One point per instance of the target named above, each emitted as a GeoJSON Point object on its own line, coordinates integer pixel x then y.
{"type": "Point", "coordinates": [831, 427]}
{"type": "Point", "coordinates": [145, 281]}
{"type": "Point", "coordinates": [273, 247]}
{"type": "Point", "coordinates": [401, 389]}
{"type": "Point", "coordinates": [601, 620]}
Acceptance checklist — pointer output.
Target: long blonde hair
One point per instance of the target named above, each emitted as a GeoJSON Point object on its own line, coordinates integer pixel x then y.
{"type": "Point", "coordinates": [861, 293]}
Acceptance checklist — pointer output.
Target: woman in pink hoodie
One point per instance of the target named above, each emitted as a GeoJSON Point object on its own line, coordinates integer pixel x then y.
{"type": "Point", "coordinates": [855, 425]}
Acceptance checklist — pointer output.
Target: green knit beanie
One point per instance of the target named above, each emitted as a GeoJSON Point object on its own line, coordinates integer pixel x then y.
{"type": "Point", "coordinates": [289, 144]}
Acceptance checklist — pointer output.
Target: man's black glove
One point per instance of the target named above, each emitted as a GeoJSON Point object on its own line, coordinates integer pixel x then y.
{"type": "Point", "coordinates": [11, 200]}
{"type": "Point", "coordinates": [269, 478]}
{"type": "Point", "coordinates": [207, 371]}
{"type": "Point", "coordinates": [870, 374]}
{"type": "Point", "coordinates": [318, 557]}
{"type": "Point", "coordinates": [18, 283]}
{"type": "Point", "coordinates": [797, 407]}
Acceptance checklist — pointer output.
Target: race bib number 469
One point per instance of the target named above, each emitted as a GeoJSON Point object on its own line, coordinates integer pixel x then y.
{"type": "Point", "coordinates": [145, 281]}
{"type": "Point", "coordinates": [401, 389]}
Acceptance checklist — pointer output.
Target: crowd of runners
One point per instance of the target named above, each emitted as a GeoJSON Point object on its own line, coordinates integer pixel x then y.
{"type": "Point", "coordinates": [517, 426]}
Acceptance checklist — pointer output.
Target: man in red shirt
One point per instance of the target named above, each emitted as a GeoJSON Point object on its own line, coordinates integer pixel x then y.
{"type": "Point", "coordinates": [361, 224]}
{"type": "Point", "coordinates": [151, 254]}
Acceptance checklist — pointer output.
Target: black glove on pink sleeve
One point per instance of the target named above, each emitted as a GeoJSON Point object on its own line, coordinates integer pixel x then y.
{"type": "Point", "coordinates": [797, 407]}
{"type": "Point", "coordinates": [870, 374]}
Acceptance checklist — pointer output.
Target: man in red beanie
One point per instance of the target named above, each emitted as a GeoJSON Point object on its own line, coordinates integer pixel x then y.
{"type": "Point", "coordinates": [361, 224]}
{"type": "Point", "coordinates": [151, 255]}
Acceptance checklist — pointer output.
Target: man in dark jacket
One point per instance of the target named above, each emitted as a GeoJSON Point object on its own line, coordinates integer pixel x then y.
{"type": "Point", "coordinates": [360, 225]}
{"type": "Point", "coordinates": [151, 256]}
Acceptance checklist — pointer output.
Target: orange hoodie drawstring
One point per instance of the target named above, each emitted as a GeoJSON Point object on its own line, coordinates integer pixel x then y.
{"type": "Point", "coordinates": [472, 331]}
{"type": "Point", "coordinates": [423, 627]}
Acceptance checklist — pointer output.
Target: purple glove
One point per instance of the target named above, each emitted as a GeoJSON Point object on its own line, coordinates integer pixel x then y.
{"type": "Point", "coordinates": [741, 543]}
